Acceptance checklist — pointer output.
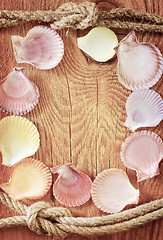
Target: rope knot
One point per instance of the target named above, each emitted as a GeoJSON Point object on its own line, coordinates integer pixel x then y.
{"type": "Point", "coordinates": [74, 16]}
{"type": "Point", "coordinates": [43, 218]}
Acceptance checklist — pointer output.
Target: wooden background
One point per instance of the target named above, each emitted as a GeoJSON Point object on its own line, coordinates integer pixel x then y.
{"type": "Point", "coordinates": [80, 115]}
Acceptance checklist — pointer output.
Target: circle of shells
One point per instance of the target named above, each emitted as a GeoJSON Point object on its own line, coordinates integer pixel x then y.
{"type": "Point", "coordinates": [140, 66]}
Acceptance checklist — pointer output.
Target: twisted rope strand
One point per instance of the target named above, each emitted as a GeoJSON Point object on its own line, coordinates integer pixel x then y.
{"type": "Point", "coordinates": [13, 221]}
{"type": "Point", "coordinates": [117, 24]}
{"type": "Point", "coordinates": [16, 206]}
{"type": "Point", "coordinates": [67, 15]}
{"type": "Point", "coordinates": [84, 15]}
{"type": "Point", "coordinates": [115, 218]}
{"type": "Point", "coordinates": [41, 218]}
{"type": "Point", "coordinates": [117, 227]}
{"type": "Point", "coordinates": [131, 13]}
{"type": "Point", "coordinates": [143, 27]}
{"type": "Point", "coordinates": [74, 9]}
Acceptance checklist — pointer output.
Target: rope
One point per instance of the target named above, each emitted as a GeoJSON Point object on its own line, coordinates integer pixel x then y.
{"type": "Point", "coordinates": [84, 15]}
{"type": "Point", "coordinates": [42, 218]}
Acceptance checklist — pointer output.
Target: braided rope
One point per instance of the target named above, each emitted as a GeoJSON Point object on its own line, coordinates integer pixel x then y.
{"type": "Point", "coordinates": [42, 218]}
{"type": "Point", "coordinates": [84, 15]}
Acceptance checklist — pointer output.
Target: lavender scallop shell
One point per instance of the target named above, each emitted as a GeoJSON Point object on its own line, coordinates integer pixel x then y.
{"type": "Point", "coordinates": [144, 108]}
{"type": "Point", "coordinates": [142, 151]}
{"type": "Point", "coordinates": [18, 95]}
{"type": "Point", "coordinates": [140, 65]}
{"type": "Point", "coordinates": [42, 47]}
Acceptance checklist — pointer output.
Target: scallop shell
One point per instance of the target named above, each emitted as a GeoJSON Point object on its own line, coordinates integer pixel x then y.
{"type": "Point", "coordinates": [71, 188]}
{"type": "Point", "coordinates": [18, 95]}
{"type": "Point", "coordinates": [112, 191]}
{"type": "Point", "coordinates": [144, 109]}
{"type": "Point", "coordinates": [42, 47]}
{"type": "Point", "coordinates": [19, 139]}
{"type": "Point", "coordinates": [99, 44]}
{"type": "Point", "coordinates": [142, 151]}
{"type": "Point", "coordinates": [140, 65]}
{"type": "Point", "coordinates": [30, 179]}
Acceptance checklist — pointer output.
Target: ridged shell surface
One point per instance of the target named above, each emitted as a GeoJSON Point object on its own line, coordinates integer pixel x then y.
{"type": "Point", "coordinates": [142, 151]}
{"type": "Point", "coordinates": [144, 108]}
{"type": "Point", "coordinates": [30, 179]}
{"type": "Point", "coordinates": [140, 65]}
{"type": "Point", "coordinates": [71, 188]}
{"type": "Point", "coordinates": [18, 95]}
{"type": "Point", "coordinates": [19, 139]}
{"type": "Point", "coordinates": [112, 191]}
{"type": "Point", "coordinates": [42, 47]}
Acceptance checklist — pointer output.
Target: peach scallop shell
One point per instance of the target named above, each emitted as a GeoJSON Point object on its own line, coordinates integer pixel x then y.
{"type": "Point", "coordinates": [19, 139]}
{"type": "Point", "coordinates": [30, 179]}
{"type": "Point", "coordinates": [42, 47]}
{"type": "Point", "coordinates": [18, 95]}
{"type": "Point", "coordinates": [71, 188]}
{"type": "Point", "coordinates": [140, 65]}
{"type": "Point", "coordinates": [144, 109]}
{"type": "Point", "coordinates": [142, 151]}
{"type": "Point", "coordinates": [112, 191]}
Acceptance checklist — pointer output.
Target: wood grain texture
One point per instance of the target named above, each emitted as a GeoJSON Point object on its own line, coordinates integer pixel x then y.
{"type": "Point", "coordinates": [80, 115]}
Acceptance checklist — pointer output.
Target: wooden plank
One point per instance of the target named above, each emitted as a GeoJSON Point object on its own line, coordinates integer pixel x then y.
{"type": "Point", "coordinates": [80, 115]}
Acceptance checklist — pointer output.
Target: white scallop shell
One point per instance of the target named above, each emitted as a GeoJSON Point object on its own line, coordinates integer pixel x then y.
{"type": "Point", "coordinates": [144, 109]}
{"type": "Point", "coordinates": [18, 95]}
{"type": "Point", "coordinates": [42, 47]}
{"type": "Point", "coordinates": [140, 65]}
{"type": "Point", "coordinates": [19, 139]}
{"type": "Point", "coordinates": [71, 188]}
{"type": "Point", "coordinates": [112, 191]}
{"type": "Point", "coordinates": [142, 151]}
{"type": "Point", "coordinates": [99, 44]}
{"type": "Point", "coordinates": [30, 179]}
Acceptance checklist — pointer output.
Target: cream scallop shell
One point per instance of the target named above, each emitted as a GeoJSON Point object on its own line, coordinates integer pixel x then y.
{"type": "Point", "coordinates": [112, 191]}
{"type": "Point", "coordinates": [142, 151]}
{"type": "Point", "coordinates": [30, 179]}
{"type": "Point", "coordinates": [144, 108]}
{"type": "Point", "coordinates": [19, 139]}
{"type": "Point", "coordinates": [18, 95]}
{"type": "Point", "coordinates": [71, 188]}
{"type": "Point", "coordinates": [42, 47]}
{"type": "Point", "coordinates": [99, 44]}
{"type": "Point", "coordinates": [140, 65]}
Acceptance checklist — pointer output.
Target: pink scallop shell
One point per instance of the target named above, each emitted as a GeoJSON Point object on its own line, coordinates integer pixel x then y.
{"type": "Point", "coordinates": [18, 95]}
{"type": "Point", "coordinates": [140, 65]}
{"type": "Point", "coordinates": [112, 191]}
{"type": "Point", "coordinates": [30, 179]}
{"type": "Point", "coordinates": [71, 188]}
{"type": "Point", "coordinates": [142, 151]}
{"type": "Point", "coordinates": [144, 108]}
{"type": "Point", "coordinates": [42, 47]}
